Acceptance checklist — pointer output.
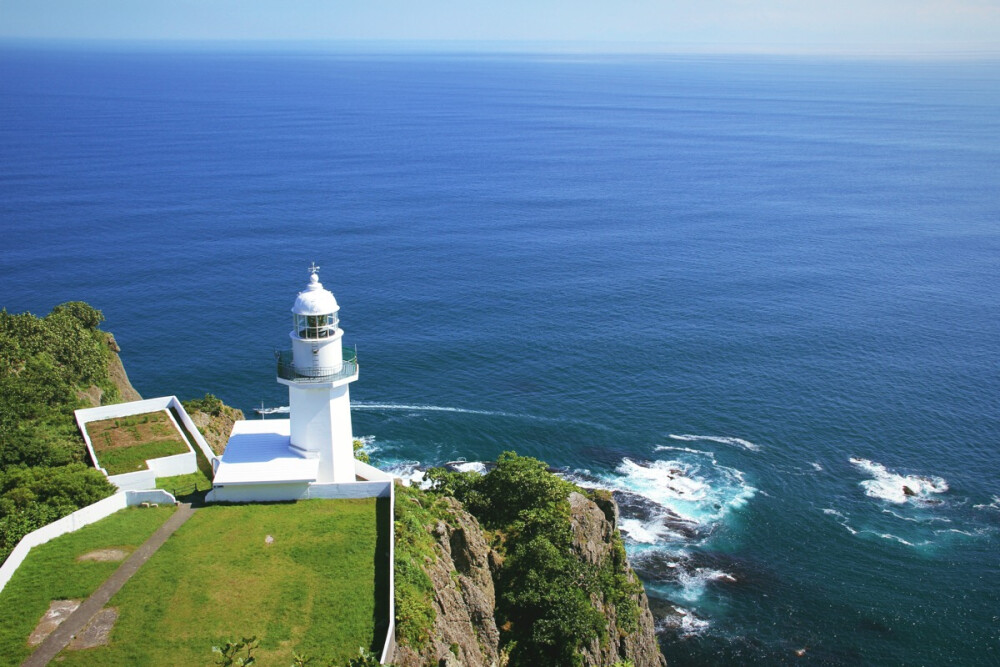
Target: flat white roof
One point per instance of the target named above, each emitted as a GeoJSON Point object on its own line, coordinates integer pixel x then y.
{"type": "Point", "coordinates": [258, 453]}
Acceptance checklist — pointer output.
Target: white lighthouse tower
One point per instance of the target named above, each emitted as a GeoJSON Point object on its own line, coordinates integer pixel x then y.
{"type": "Point", "coordinates": [318, 373]}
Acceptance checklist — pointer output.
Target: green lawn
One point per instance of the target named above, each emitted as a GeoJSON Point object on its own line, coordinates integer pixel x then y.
{"type": "Point", "coordinates": [133, 458]}
{"type": "Point", "coordinates": [51, 572]}
{"type": "Point", "coordinates": [312, 591]}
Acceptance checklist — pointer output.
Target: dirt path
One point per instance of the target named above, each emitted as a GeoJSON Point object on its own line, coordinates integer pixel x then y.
{"type": "Point", "coordinates": [62, 635]}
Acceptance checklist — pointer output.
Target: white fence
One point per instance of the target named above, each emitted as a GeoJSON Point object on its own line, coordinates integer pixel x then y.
{"type": "Point", "coordinates": [166, 466]}
{"type": "Point", "coordinates": [389, 647]}
{"type": "Point", "coordinates": [75, 521]}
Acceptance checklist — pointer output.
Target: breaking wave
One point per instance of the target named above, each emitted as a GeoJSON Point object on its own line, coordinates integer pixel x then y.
{"type": "Point", "coordinates": [737, 442]}
{"type": "Point", "coordinates": [895, 488]}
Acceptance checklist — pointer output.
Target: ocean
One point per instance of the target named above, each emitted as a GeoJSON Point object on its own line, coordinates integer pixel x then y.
{"type": "Point", "coordinates": [757, 297]}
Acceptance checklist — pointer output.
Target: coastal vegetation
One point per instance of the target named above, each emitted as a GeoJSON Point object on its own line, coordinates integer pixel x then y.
{"type": "Point", "coordinates": [548, 598]}
{"type": "Point", "coordinates": [49, 366]}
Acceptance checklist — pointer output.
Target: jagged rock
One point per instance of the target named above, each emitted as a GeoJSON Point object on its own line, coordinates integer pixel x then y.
{"type": "Point", "coordinates": [117, 374]}
{"type": "Point", "coordinates": [216, 428]}
{"type": "Point", "coordinates": [592, 541]}
{"type": "Point", "coordinates": [464, 632]}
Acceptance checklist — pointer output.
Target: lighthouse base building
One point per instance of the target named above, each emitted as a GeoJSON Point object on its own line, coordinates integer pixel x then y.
{"type": "Point", "coordinates": [310, 454]}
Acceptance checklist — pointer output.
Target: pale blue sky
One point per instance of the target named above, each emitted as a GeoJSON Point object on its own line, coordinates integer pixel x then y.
{"type": "Point", "coordinates": [851, 26]}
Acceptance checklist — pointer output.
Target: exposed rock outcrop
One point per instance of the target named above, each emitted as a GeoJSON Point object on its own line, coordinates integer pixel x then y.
{"type": "Point", "coordinates": [593, 533]}
{"type": "Point", "coordinates": [465, 632]}
{"type": "Point", "coordinates": [94, 395]}
{"type": "Point", "coordinates": [215, 428]}
{"type": "Point", "coordinates": [116, 372]}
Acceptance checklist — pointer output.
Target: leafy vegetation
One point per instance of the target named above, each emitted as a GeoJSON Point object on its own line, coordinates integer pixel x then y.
{"type": "Point", "coordinates": [209, 404]}
{"type": "Point", "coordinates": [544, 591]}
{"type": "Point", "coordinates": [415, 513]}
{"type": "Point", "coordinates": [44, 364]}
{"type": "Point", "coordinates": [52, 572]}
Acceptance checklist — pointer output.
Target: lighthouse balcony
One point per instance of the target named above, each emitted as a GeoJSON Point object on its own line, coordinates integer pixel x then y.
{"type": "Point", "coordinates": [288, 372]}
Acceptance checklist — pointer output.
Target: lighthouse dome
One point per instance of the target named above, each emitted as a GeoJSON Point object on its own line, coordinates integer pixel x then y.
{"type": "Point", "coordinates": [314, 300]}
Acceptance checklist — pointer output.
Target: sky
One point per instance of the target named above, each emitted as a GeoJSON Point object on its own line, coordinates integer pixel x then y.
{"type": "Point", "coordinates": [820, 26]}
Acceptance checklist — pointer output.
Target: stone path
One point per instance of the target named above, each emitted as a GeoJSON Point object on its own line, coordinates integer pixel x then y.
{"type": "Point", "coordinates": [76, 621]}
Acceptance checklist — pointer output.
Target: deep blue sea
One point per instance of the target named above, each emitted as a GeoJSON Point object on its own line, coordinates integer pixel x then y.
{"type": "Point", "coordinates": [757, 297]}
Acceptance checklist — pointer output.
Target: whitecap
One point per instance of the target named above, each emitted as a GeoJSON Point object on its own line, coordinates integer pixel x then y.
{"type": "Point", "coordinates": [685, 623]}
{"type": "Point", "coordinates": [817, 467]}
{"type": "Point", "coordinates": [896, 488]}
{"type": "Point", "coordinates": [723, 440]}
{"type": "Point", "coordinates": [469, 466]}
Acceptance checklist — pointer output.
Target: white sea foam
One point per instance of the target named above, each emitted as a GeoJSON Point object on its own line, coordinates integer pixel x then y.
{"type": "Point", "coordinates": [693, 582]}
{"type": "Point", "coordinates": [470, 466]}
{"type": "Point", "coordinates": [993, 506]}
{"type": "Point", "coordinates": [896, 488]}
{"type": "Point", "coordinates": [927, 519]}
{"type": "Point", "coordinates": [685, 623]}
{"type": "Point", "coordinates": [738, 442]}
{"type": "Point", "coordinates": [688, 450]}
{"type": "Point", "coordinates": [817, 467]}
{"type": "Point", "coordinates": [842, 520]}
{"type": "Point", "coordinates": [365, 405]}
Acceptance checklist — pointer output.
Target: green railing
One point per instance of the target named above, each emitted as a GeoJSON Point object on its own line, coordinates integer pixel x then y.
{"type": "Point", "coordinates": [287, 370]}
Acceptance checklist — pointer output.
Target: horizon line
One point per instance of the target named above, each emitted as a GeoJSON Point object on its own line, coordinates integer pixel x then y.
{"type": "Point", "coordinates": [515, 47]}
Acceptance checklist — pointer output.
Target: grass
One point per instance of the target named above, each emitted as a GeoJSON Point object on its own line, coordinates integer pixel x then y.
{"type": "Point", "coordinates": [51, 572]}
{"type": "Point", "coordinates": [124, 444]}
{"type": "Point", "coordinates": [185, 486]}
{"type": "Point", "coordinates": [312, 591]}
{"type": "Point", "coordinates": [131, 459]}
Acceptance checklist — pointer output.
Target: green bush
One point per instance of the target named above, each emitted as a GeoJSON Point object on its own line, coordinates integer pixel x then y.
{"type": "Point", "coordinates": [44, 362]}
{"type": "Point", "coordinates": [209, 404]}
{"type": "Point", "coordinates": [544, 591]}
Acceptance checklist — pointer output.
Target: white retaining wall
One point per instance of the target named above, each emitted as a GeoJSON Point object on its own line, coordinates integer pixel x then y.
{"type": "Point", "coordinates": [389, 648]}
{"type": "Point", "coordinates": [167, 466]}
{"type": "Point", "coordinates": [75, 521]}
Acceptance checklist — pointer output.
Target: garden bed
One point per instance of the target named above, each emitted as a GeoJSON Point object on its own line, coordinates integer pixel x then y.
{"type": "Point", "coordinates": [124, 444]}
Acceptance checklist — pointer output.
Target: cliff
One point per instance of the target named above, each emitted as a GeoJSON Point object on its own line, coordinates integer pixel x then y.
{"type": "Point", "coordinates": [214, 419]}
{"type": "Point", "coordinates": [117, 377]}
{"type": "Point", "coordinates": [465, 572]}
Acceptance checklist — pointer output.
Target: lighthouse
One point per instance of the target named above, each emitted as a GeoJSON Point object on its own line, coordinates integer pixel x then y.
{"type": "Point", "coordinates": [318, 373]}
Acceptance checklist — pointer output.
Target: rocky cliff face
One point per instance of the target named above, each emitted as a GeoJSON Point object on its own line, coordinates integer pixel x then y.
{"type": "Point", "coordinates": [593, 530]}
{"type": "Point", "coordinates": [465, 632]}
{"type": "Point", "coordinates": [215, 428]}
{"type": "Point", "coordinates": [116, 373]}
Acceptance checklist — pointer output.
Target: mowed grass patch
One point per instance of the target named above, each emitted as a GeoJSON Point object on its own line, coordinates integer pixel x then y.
{"type": "Point", "coordinates": [182, 486]}
{"type": "Point", "coordinates": [51, 572]}
{"type": "Point", "coordinates": [124, 444]}
{"type": "Point", "coordinates": [311, 590]}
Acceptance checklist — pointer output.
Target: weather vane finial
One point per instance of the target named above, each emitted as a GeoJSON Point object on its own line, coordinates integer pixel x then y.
{"type": "Point", "coordinates": [313, 268]}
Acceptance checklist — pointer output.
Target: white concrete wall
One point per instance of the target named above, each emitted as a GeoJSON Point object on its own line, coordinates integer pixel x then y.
{"type": "Point", "coordinates": [351, 490]}
{"type": "Point", "coordinates": [134, 481]}
{"type": "Point", "coordinates": [371, 473]}
{"type": "Point", "coordinates": [78, 519]}
{"type": "Point", "coordinates": [389, 648]}
{"type": "Point", "coordinates": [257, 493]}
{"type": "Point", "coordinates": [167, 466]}
{"type": "Point", "coordinates": [178, 464]}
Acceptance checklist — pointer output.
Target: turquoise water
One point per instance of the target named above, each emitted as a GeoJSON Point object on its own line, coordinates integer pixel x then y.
{"type": "Point", "coordinates": [755, 297]}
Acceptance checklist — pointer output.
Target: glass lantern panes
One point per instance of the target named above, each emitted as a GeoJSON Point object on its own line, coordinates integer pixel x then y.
{"type": "Point", "coordinates": [312, 327]}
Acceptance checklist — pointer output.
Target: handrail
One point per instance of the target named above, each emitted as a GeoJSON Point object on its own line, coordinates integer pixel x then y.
{"type": "Point", "coordinates": [286, 368]}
